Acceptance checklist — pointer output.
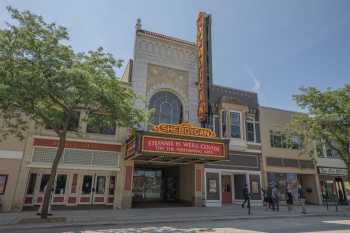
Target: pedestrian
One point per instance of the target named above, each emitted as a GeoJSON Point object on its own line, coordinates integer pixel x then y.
{"type": "Point", "coordinates": [269, 196]}
{"type": "Point", "coordinates": [275, 199]}
{"type": "Point", "coordinates": [264, 194]}
{"type": "Point", "coordinates": [289, 200]}
{"type": "Point", "coordinates": [245, 195]}
{"type": "Point", "coordinates": [301, 194]}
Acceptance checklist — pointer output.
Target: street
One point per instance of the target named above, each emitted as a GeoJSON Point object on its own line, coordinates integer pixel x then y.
{"type": "Point", "coordinates": [289, 225]}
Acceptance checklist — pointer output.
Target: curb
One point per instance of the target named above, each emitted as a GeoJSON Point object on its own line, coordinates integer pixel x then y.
{"type": "Point", "coordinates": [124, 223]}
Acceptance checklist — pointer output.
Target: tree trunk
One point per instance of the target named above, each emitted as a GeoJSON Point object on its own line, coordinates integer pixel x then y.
{"type": "Point", "coordinates": [49, 187]}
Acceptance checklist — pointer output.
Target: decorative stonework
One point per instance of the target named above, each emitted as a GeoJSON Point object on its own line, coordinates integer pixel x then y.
{"type": "Point", "coordinates": [165, 77]}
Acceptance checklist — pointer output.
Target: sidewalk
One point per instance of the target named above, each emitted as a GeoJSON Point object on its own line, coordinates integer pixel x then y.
{"type": "Point", "coordinates": [29, 219]}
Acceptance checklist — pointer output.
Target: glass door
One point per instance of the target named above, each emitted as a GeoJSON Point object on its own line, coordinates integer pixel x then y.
{"type": "Point", "coordinates": [226, 189]}
{"type": "Point", "coordinates": [99, 191]}
{"type": "Point", "coordinates": [147, 185]}
{"type": "Point", "coordinates": [86, 189]}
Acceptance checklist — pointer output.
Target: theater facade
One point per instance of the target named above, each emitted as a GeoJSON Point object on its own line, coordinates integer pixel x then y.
{"type": "Point", "coordinates": [202, 143]}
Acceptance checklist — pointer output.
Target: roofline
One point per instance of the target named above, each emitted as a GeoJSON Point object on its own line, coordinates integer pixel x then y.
{"type": "Point", "coordinates": [235, 89]}
{"type": "Point", "coordinates": [165, 37]}
{"type": "Point", "coordinates": [282, 110]}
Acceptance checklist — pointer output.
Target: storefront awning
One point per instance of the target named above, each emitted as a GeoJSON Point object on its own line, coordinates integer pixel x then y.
{"type": "Point", "coordinates": [174, 148]}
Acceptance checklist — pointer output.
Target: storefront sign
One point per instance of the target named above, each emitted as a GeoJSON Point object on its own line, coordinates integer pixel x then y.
{"type": "Point", "coordinates": [332, 171]}
{"type": "Point", "coordinates": [185, 129]}
{"type": "Point", "coordinates": [183, 147]}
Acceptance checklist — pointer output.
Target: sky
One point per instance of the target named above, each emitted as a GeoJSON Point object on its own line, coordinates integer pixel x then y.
{"type": "Point", "coordinates": [272, 47]}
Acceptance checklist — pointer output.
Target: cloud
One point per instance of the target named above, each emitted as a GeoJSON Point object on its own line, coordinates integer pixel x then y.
{"type": "Point", "coordinates": [251, 74]}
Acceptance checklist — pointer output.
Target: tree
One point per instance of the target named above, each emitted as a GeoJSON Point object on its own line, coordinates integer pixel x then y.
{"type": "Point", "coordinates": [327, 120]}
{"type": "Point", "coordinates": [43, 80]}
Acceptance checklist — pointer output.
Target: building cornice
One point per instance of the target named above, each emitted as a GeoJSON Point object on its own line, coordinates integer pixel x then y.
{"type": "Point", "coordinates": [165, 37]}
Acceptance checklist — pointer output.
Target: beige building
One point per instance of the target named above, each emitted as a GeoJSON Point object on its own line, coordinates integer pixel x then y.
{"type": "Point", "coordinates": [90, 172]}
{"type": "Point", "coordinates": [284, 164]}
{"type": "Point", "coordinates": [11, 154]}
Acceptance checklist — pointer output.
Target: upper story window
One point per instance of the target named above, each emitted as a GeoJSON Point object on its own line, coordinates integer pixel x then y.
{"type": "Point", "coordinates": [231, 124]}
{"type": "Point", "coordinates": [167, 108]}
{"type": "Point", "coordinates": [326, 151]}
{"type": "Point", "coordinates": [280, 140]}
{"type": "Point", "coordinates": [73, 124]}
{"type": "Point", "coordinates": [235, 118]}
{"type": "Point", "coordinates": [253, 131]}
{"type": "Point", "coordinates": [100, 124]}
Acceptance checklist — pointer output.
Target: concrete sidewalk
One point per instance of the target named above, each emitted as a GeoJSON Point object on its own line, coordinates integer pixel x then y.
{"type": "Point", "coordinates": [63, 218]}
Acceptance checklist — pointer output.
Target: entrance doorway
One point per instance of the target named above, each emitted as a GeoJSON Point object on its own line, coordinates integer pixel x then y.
{"type": "Point", "coordinates": [155, 185]}
{"type": "Point", "coordinates": [226, 189]}
{"type": "Point", "coordinates": [96, 189]}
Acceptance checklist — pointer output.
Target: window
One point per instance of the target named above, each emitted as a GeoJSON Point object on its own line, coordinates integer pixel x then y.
{"type": "Point", "coordinates": [235, 118]}
{"type": "Point", "coordinates": [250, 132]}
{"type": "Point", "coordinates": [3, 182]}
{"type": "Point", "coordinates": [61, 184]}
{"type": "Point", "coordinates": [87, 185]}
{"type": "Point", "coordinates": [73, 124]}
{"type": "Point", "coordinates": [100, 184]}
{"type": "Point", "coordinates": [330, 152]}
{"type": "Point", "coordinates": [100, 124]}
{"type": "Point", "coordinates": [44, 180]}
{"type": "Point", "coordinates": [31, 184]}
{"type": "Point", "coordinates": [279, 140]}
{"type": "Point", "coordinates": [216, 127]}
{"type": "Point", "coordinates": [167, 108]}
{"type": "Point", "coordinates": [111, 185]}
{"type": "Point", "coordinates": [223, 124]}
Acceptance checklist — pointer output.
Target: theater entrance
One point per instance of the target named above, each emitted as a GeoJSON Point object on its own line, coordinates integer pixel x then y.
{"type": "Point", "coordinates": [156, 186]}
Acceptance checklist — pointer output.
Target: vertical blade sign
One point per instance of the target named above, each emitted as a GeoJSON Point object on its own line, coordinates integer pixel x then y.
{"type": "Point", "coordinates": [203, 44]}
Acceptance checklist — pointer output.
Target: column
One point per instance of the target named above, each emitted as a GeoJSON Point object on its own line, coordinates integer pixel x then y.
{"type": "Point", "coordinates": [123, 194]}
{"type": "Point", "coordinates": [198, 184]}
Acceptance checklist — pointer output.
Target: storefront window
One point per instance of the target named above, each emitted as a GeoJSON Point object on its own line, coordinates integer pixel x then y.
{"type": "Point", "coordinates": [3, 181]}
{"type": "Point", "coordinates": [239, 181]}
{"type": "Point", "coordinates": [100, 184]}
{"type": "Point", "coordinates": [212, 182]}
{"type": "Point", "coordinates": [31, 184]}
{"type": "Point", "coordinates": [44, 180]}
{"type": "Point", "coordinates": [87, 185]}
{"type": "Point", "coordinates": [60, 184]}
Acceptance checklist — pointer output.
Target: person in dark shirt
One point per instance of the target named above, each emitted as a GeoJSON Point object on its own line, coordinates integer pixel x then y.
{"type": "Point", "coordinates": [301, 194]}
{"type": "Point", "coordinates": [245, 195]}
{"type": "Point", "coordinates": [289, 199]}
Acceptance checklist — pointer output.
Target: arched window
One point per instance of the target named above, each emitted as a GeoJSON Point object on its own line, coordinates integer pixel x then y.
{"type": "Point", "coordinates": [167, 108]}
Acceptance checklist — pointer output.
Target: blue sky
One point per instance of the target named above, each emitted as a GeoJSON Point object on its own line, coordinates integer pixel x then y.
{"type": "Point", "coordinates": [271, 46]}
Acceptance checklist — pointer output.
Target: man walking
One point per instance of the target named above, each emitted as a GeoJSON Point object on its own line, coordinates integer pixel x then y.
{"type": "Point", "coordinates": [245, 195]}
{"type": "Point", "coordinates": [301, 195]}
{"type": "Point", "coordinates": [275, 199]}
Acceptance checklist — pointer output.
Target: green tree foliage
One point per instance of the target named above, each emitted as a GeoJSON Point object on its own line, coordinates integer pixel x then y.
{"type": "Point", "coordinates": [43, 80]}
{"type": "Point", "coordinates": [327, 121]}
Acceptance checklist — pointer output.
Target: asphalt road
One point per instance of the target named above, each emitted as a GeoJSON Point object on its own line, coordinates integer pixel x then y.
{"type": "Point", "coordinates": [292, 225]}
